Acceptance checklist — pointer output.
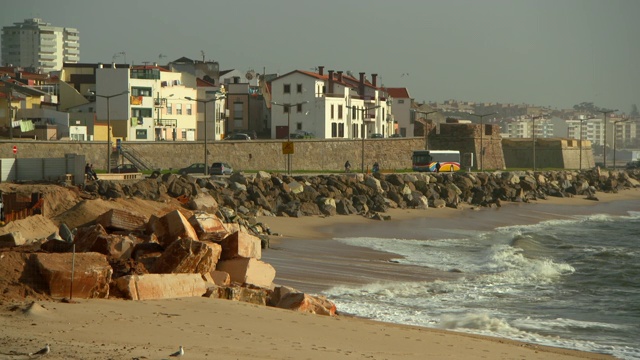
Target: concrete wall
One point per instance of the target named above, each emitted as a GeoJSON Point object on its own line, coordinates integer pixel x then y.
{"type": "Point", "coordinates": [549, 153]}
{"type": "Point", "coordinates": [309, 154]}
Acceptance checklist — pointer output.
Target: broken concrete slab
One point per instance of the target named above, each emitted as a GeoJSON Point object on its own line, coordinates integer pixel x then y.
{"type": "Point", "coordinates": [248, 271]}
{"type": "Point", "coordinates": [91, 276]}
{"type": "Point", "coordinates": [161, 286]}
{"type": "Point", "coordinates": [188, 256]}
{"type": "Point", "coordinates": [171, 227]}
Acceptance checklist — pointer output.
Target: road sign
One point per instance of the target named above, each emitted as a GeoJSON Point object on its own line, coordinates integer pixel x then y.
{"type": "Point", "coordinates": [15, 149]}
{"type": "Point", "coordinates": [287, 147]}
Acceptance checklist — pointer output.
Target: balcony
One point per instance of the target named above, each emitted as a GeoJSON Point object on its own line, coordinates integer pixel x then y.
{"type": "Point", "coordinates": [75, 38]}
{"type": "Point", "coordinates": [71, 51]}
{"type": "Point", "coordinates": [166, 122]}
{"type": "Point", "coordinates": [45, 57]}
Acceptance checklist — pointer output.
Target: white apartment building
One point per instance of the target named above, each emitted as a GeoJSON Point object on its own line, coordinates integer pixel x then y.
{"type": "Point", "coordinates": [39, 46]}
{"type": "Point", "coordinates": [523, 127]}
{"type": "Point", "coordinates": [332, 105]}
{"type": "Point", "coordinates": [621, 131]}
{"type": "Point", "coordinates": [145, 103]}
{"type": "Point", "coordinates": [401, 105]}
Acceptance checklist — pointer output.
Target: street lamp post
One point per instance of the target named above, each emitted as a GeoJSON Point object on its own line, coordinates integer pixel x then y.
{"type": "Point", "coordinates": [604, 147]}
{"type": "Point", "coordinates": [108, 97]}
{"type": "Point", "coordinates": [364, 110]}
{"type": "Point", "coordinates": [206, 153]}
{"type": "Point", "coordinates": [481, 138]}
{"type": "Point", "coordinates": [426, 121]}
{"type": "Point", "coordinates": [289, 107]}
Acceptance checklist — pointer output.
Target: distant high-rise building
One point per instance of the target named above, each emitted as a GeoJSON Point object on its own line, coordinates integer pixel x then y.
{"type": "Point", "coordinates": [38, 46]}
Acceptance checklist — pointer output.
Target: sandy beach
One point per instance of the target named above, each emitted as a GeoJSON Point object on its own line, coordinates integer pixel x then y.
{"type": "Point", "coordinates": [305, 257]}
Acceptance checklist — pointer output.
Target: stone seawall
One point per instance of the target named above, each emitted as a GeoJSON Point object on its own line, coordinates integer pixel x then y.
{"type": "Point", "coordinates": [311, 154]}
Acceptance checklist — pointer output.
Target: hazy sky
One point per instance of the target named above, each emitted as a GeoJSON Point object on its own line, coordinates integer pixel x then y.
{"type": "Point", "coordinates": [545, 52]}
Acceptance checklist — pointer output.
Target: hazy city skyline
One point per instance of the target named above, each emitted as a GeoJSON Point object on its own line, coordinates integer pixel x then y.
{"type": "Point", "coordinates": [540, 52]}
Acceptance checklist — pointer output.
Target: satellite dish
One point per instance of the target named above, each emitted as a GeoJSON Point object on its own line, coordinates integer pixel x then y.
{"type": "Point", "coordinates": [250, 74]}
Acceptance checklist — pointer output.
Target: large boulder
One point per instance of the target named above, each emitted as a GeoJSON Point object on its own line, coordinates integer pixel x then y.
{"type": "Point", "coordinates": [161, 286]}
{"type": "Point", "coordinates": [91, 274]}
{"type": "Point", "coordinates": [248, 272]}
{"type": "Point", "coordinates": [241, 244]}
{"type": "Point", "coordinates": [208, 227]}
{"type": "Point", "coordinates": [238, 293]}
{"type": "Point", "coordinates": [306, 303]}
{"type": "Point", "coordinates": [116, 219]}
{"type": "Point", "coordinates": [86, 237]}
{"type": "Point", "coordinates": [189, 257]}
{"type": "Point", "coordinates": [171, 227]}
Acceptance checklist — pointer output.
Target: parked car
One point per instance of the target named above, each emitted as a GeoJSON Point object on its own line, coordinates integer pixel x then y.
{"type": "Point", "coordinates": [396, 136]}
{"type": "Point", "coordinates": [301, 134]}
{"type": "Point", "coordinates": [220, 168]}
{"type": "Point", "coordinates": [237, 136]}
{"type": "Point", "coordinates": [196, 168]}
{"type": "Point", "coordinates": [376, 136]}
{"type": "Point", "coordinates": [635, 164]}
{"type": "Point", "coordinates": [125, 168]}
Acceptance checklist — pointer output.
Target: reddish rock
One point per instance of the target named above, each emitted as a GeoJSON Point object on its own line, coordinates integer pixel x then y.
{"type": "Point", "coordinates": [116, 246]}
{"type": "Point", "coordinates": [241, 245]}
{"type": "Point", "coordinates": [86, 237]}
{"type": "Point", "coordinates": [208, 227]}
{"type": "Point", "coordinates": [161, 286]}
{"type": "Point", "coordinates": [92, 274]}
{"type": "Point", "coordinates": [306, 303]}
{"type": "Point", "coordinates": [115, 219]}
{"type": "Point", "coordinates": [248, 271]}
{"type": "Point", "coordinates": [188, 256]}
{"type": "Point", "coordinates": [237, 293]}
{"type": "Point", "coordinates": [171, 227]}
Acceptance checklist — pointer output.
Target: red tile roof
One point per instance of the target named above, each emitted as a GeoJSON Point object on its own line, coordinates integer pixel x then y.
{"type": "Point", "coordinates": [398, 93]}
{"type": "Point", "coordinates": [203, 83]}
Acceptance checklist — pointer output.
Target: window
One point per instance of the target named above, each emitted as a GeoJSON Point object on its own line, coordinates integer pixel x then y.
{"type": "Point", "coordinates": [287, 89]}
{"type": "Point", "coordinates": [299, 88]}
{"type": "Point", "coordinates": [353, 113]}
{"type": "Point", "coordinates": [341, 130]}
{"type": "Point", "coordinates": [332, 111]}
{"type": "Point", "coordinates": [299, 108]}
{"type": "Point", "coordinates": [298, 126]}
{"type": "Point", "coordinates": [169, 109]}
{"type": "Point", "coordinates": [334, 129]}
{"type": "Point", "coordinates": [141, 112]}
{"type": "Point", "coordinates": [141, 91]}
{"type": "Point", "coordinates": [400, 101]}
{"type": "Point", "coordinates": [178, 109]}
{"type": "Point", "coordinates": [339, 111]}
{"type": "Point", "coordinates": [189, 109]}
{"type": "Point", "coordinates": [238, 115]}
{"type": "Point", "coordinates": [141, 134]}
{"type": "Point", "coordinates": [184, 133]}
{"type": "Point", "coordinates": [285, 109]}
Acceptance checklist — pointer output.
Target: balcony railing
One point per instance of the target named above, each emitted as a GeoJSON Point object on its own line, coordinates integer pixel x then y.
{"type": "Point", "coordinates": [166, 122]}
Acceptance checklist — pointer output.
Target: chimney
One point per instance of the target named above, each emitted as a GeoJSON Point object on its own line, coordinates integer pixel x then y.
{"type": "Point", "coordinates": [361, 84]}
{"type": "Point", "coordinates": [320, 70]}
{"type": "Point", "coordinates": [330, 82]}
{"type": "Point", "coordinates": [100, 65]}
{"type": "Point", "coordinates": [374, 79]}
{"type": "Point", "coordinates": [155, 64]}
{"type": "Point", "coordinates": [113, 65]}
{"type": "Point", "coordinates": [340, 76]}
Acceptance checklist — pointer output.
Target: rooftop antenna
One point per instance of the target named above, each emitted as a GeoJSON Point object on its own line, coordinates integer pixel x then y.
{"type": "Point", "coordinates": [202, 53]}
{"type": "Point", "coordinates": [161, 56]}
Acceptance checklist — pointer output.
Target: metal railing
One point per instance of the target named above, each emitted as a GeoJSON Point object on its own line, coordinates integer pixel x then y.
{"type": "Point", "coordinates": [135, 158]}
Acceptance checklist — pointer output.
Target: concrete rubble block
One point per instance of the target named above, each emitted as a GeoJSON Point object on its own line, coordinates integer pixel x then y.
{"type": "Point", "coordinates": [208, 227]}
{"type": "Point", "coordinates": [203, 202]}
{"type": "Point", "coordinates": [248, 271]}
{"type": "Point", "coordinates": [116, 246]}
{"type": "Point", "coordinates": [87, 236]}
{"type": "Point", "coordinates": [241, 244]}
{"type": "Point", "coordinates": [116, 219]}
{"type": "Point", "coordinates": [161, 286]}
{"type": "Point", "coordinates": [170, 227]}
{"type": "Point", "coordinates": [12, 239]}
{"type": "Point", "coordinates": [220, 278]}
{"type": "Point", "coordinates": [239, 293]}
{"type": "Point", "coordinates": [92, 274]}
{"type": "Point", "coordinates": [306, 303]}
{"type": "Point", "coordinates": [278, 293]}
{"type": "Point", "coordinates": [189, 257]}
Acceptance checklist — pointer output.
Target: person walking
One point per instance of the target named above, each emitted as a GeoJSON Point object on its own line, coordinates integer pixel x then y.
{"type": "Point", "coordinates": [438, 166]}
{"type": "Point", "coordinates": [347, 167]}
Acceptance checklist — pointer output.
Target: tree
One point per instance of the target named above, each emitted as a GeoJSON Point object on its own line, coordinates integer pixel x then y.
{"type": "Point", "coordinates": [586, 107]}
{"type": "Point", "coordinates": [634, 111]}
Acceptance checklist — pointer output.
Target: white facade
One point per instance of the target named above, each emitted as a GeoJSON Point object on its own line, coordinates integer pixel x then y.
{"type": "Point", "coordinates": [38, 45]}
{"type": "Point", "coordinates": [154, 109]}
{"type": "Point", "coordinates": [328, 106]}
